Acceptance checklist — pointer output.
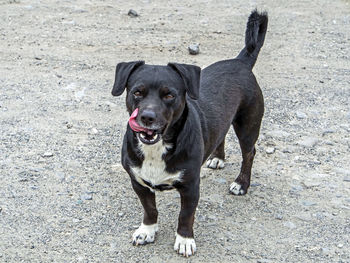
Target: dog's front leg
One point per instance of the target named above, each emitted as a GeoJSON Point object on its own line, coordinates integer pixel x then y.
{"type": "Point", "coordinates": [184, 243]}
{"type": "Point", "coordinates": [146, 232]}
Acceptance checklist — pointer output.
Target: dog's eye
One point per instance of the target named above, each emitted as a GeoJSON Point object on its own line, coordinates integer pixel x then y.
{"type": "Point", "coordinates": [137, 94]}
{"type": "Point", "coordinates": [169, 96]}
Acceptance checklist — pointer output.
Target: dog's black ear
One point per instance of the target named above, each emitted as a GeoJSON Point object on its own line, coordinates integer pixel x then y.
{"type": "Point", "coordinates": [122, 73]}
{"type": "Point", "coordinates": [191, 76]}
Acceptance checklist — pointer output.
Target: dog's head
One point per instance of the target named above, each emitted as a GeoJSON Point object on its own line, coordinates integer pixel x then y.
{"type": "Point", "coordinates": [156, 95]}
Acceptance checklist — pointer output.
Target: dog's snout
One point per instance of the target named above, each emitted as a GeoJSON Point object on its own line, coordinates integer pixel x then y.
{"type": "Point", "coordinates": [148, 117]}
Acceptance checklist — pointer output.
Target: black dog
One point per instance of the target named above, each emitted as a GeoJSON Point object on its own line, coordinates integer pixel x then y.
{"type": "Point", "coordinates": [179, 119]}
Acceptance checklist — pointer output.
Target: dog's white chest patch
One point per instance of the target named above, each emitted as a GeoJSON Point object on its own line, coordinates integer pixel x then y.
{"type": "Point", "coordinates": [153, 167]}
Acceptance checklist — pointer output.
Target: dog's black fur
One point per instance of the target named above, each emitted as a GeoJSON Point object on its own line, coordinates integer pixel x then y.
{"type": "Point", "coordinates": [192, 110]}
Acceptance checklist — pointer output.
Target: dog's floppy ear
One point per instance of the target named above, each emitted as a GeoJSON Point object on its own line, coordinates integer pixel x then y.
{"type": "Point", "coordinates": [191, 76]}
{"type": "Point", "coordinates": [122, 74]}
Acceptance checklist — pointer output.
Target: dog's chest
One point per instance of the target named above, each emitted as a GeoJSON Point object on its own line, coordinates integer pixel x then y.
{"type": "Point", "coordinates": [152, 173]}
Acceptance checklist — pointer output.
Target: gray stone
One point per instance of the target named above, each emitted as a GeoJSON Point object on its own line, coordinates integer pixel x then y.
{"type": "Point", "coordinates": [29, 7]}
{"type": "Point", "coordinates": [221, 180]}
{"type": "Point", "coordinates": [263, 261]}
{"type": "Point", "coordinates": [311, 183]}
{"type": "Point", "coordinates": [297, 188]}
{"type": "Point", "coordinates": [255, 184]}
{"type": "Point", "coordinates": [301, 115]}
{"type": "Point", "coordinates": [193, 49]}
{"type": "Point", "coordinates": [306, 218]}
{"type": "Point", "coordinates": [201, 218]}
{"type": "Point", "coordinates": [342, 171]}
{"type": "Point", "coordinates": [61, 176]}
{"type": "Point", "coordinates": [308, 203]}
{"type": "Point", "coordinates": [270, 150]}
{"type": "Point", "coordinates": [279, 217]}
{"type": "Point", "coordinates": [132, 13]}
{"type": "Point", "coordinates": [327, 131]}
{"type": "Point", "coordinates": [308, 142]}
{"type": "Point", "coordinates": [346, 179]}
{"type": "Point", "coordinates": [94, 131]}
{"type": "Point", "coordinates": [288, 150]}
{"type": "Point", "coordinates": [47, 154]}
{"type": "Point", "coordinates": [289, 224]}
{"type": "Point", "coordinates": [86, 196]}
{"type": "Point", "coordinates": [212, 217]}
{"type": "Point", "coordinates": [325, 250]}
{"type": "Point", "coordinates": [278, 134]}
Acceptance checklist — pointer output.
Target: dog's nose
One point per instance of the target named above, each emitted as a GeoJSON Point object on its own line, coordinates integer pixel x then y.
{"type": "Point", "coordinates": [148, 117]}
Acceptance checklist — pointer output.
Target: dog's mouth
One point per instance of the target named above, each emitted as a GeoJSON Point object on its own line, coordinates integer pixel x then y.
{"type": "Point", "coordinates": [151, 137]}
{"type": "Point", "coordinates": [145, 135]}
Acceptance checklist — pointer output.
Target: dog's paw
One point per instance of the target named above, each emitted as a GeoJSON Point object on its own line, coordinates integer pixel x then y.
{"type": "Point", "coordinates": [215, 163]}
{"type": "Point", "coordinates": [185, 246]}
{"type": "Point", "coordinates": [237, 189]}
{"type": "Point", "coordinates": [144, 234]}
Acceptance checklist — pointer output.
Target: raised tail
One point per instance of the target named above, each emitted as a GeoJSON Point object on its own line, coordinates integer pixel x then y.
{"type": "Point", "coordinates": [254, 37]}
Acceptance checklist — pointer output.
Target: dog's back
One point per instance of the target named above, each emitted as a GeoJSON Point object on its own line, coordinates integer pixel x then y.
{"type": "Point", "coordinates": [228, 85]}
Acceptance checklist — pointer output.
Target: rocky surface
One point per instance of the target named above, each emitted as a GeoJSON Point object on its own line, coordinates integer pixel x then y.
{"type": "Point", "coordinates": [64, 196]}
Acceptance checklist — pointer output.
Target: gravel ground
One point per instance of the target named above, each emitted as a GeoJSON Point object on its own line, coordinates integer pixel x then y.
{"type": "Point", "coordinates": [64, 196]}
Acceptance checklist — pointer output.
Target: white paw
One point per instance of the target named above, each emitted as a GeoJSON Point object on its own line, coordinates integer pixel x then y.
{"type": "Point", "coordinates": [185, 246]}
{"type": "Point", "coordinates": [215, 163]}
{"type": "Point", "coordinates": [236, 189]}
{"type": "Point", "coordinates": [144, 234]}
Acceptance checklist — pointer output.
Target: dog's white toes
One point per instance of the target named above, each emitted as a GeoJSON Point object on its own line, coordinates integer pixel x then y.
{"type": "Point", "coordinates": [215, 163]}
{"type": "Point", "coordinates": [236, 189]}
{"type": "Point", "coordinates": [144, 234]}
{"type": "Point", "coordinates": [185, 246]}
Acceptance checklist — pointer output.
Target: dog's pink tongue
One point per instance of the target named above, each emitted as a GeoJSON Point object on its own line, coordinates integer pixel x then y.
{"type": "Point", "coordinates": [135, 126]}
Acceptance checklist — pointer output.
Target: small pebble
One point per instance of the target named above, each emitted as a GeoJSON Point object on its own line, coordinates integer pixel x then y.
{"type": "Point", "coordinates": [325, 250]}
{"type": "Point", "coordinates": [301, 115]}
{"type": "Point", "coordinates": [86, 197]}
{"type": "Point", "coordinates": [270, 150]}
{"type": "Point", "coordinates": [279, 217]}
{"type": "Point", "coordinates": [113, 246]}
{"type": "Point", "coordinates": [308, 203]}
{"type": "Point", "coordinates": [255, 184]}
{"type": "Point", "coordinates": [132, 13]}
{"type": "Point", "coordinates": [201, 218]}
{"type": "Point", "coordinates": [289, 224]}
{"type": "Point", "coordinates": [308, 142]}
{"type": "Point", "coordinates": [193, 49]}
{"type": "Point", "coordinates": [221, 180]}
{"type": "Point", "coordinates": [327, 131]}
{"type": "Point", "coordinates": [263, 261]}
{"type": "Point", "coordinates": [29, 7]}
{"type": "Point", "coordinates": [311, 183]}
{"type": "Point", "coordinates": [346, 179]}
{"type": "Point", "coordinates": [47, 154]}
{"type": "Point", "coordinates": [278, 134]}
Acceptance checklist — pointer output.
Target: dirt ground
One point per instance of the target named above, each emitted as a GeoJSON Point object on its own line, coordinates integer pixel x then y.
{"type": "Point", "coordinates": [64, 196]}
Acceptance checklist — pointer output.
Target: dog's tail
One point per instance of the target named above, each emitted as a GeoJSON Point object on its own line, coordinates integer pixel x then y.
{"type": "Point", "coordinates": [254, 37]}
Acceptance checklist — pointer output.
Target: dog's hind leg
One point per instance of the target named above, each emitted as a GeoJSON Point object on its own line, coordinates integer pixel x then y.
{"type": "Point", "coordinates": [247, 130]}
{"type": "Point", "coordinates": [216, 159]}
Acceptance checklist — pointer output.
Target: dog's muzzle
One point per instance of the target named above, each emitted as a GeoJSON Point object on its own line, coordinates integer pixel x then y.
{"type": "Point", "coordinates": [145, 135]}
